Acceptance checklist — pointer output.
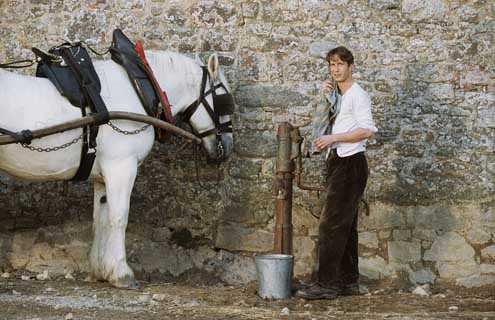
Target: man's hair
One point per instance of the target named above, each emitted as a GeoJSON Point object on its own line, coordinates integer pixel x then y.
{"type": "Point", "coordinates": [343, 53]}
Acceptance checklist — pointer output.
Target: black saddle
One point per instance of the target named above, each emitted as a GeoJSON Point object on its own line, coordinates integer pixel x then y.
{"type": "Point", "coordinates": [70, 69]}
{"type": "Point", "coordinates": [124, 53]}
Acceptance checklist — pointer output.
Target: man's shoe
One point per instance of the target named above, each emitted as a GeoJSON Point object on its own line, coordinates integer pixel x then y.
{"type": "Point", "coordinates": [350, 289]}
{"type": "Point", "coordinates": [317, 292]}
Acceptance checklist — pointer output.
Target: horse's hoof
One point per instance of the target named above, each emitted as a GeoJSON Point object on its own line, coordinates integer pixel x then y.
{"type": "Point", "coordinates": [127, 283]}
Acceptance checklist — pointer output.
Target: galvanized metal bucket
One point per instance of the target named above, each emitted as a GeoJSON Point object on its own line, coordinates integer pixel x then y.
{"type": "Point", "coordinates": [274, 275]}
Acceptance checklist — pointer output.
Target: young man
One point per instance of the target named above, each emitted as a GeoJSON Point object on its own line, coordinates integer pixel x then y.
{"type": "Point", "coordinates": [347, 175]}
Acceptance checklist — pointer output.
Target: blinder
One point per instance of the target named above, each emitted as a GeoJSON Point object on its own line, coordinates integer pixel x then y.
{"type": "Point", "coordinates": [224, 104]}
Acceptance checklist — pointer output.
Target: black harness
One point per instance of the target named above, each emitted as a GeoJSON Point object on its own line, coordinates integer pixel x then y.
{"type": "Point", "coordinates": [223, 105]}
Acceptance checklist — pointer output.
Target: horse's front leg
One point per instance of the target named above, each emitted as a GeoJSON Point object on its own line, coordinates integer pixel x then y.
{"type": "Point", "coordinates": [119, 176]}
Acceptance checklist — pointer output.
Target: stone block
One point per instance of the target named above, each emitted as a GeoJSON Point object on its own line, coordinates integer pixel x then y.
{"type": "Point", "coordinates": [161, 234]}
{"type": "Point", "coordinates": [422, 276]}
{"type": "Point", "coordinates": [305, 253]}
{"type": "Point", "coordinates": [239, 271]}
{"type": "Point", "coordinates": [459, 269]}
{"type": "Point", "coordinates": [450, 247]}
{"type": "Point", "coordinates": [253, 143]}
{"type": "Point", "coordinates": [385, 4]}
{"type": "Point", "coordinates": [20, 253]}
{"type": "Point", "coordinates": [401, 234]}
{"type": "Point", "coordinates": [384, 234]}
{"type": "Point", "coordinates": [260, 96]}
{"type": "Point", "coordinates": [424, 234]}
{"type": "Point", "coordinates": [303, 222]}
{"type": "Point", "coordinates": [487, 268]}
{"type": "Point", "coordinates": [424, 10]}
{"type": "Point", "coordinates": [238, 238]}
{"type": "Point", "coordinates": [476, 281]}
{"type": "Point", "coordinates": [245, 169]}
{"type": "Point", "coordinates": [383, 216]}
{"type": "Point", "coordinates": [368, 239]}
{"type": "Point", "coordinates": [162, 257]}
{"type": "Point", "coordinates": [488, 252]}
{"type": "Point", "coordinates": [478, 236]}
{"type": "Point", "coordinates": [403, 251]}
{"type": "Point", "coordinates": [321, 48]}
{"type": "Point", "coordinates": [44, 257]}
{"type": "Point", "coordinates": [431, 217]}
{"type": "Point", "coordinates": [373, 267]}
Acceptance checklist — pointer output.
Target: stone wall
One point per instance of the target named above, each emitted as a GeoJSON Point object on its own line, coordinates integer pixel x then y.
{"type": "Point", "coordinates": [428, 65]}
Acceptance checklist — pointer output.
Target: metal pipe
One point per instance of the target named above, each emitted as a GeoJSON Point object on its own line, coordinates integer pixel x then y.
{"type": "Point", "coordinates": [93, 119]}
{"type": "Point", "coordinates": [283, 190]}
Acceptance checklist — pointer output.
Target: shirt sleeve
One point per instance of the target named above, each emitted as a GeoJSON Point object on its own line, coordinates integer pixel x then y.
{"type": "Point", "coordinates": [362, 113]}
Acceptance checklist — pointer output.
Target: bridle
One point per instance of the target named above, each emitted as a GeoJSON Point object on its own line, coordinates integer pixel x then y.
{"type": "Point", "coordinates": [223, 104]}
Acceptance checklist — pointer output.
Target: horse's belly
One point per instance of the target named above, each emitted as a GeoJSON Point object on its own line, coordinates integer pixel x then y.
{"type": "Point", "coordinates": [41, 166]}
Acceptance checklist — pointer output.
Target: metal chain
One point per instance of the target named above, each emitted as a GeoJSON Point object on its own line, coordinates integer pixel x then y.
{"type": "Point", "coordinates": [50, 149]}
{"type": "Point", "coordinates": [114, 127]}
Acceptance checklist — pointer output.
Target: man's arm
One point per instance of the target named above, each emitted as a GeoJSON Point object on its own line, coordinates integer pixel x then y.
{"type": "Point", "coordinates": [352, 136]}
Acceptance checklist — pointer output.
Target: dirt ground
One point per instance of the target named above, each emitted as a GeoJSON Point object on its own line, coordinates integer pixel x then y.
{"type": "Point", "coordinates": [193, 298]}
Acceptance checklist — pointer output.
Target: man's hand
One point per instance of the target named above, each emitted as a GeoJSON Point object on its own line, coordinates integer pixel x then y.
{"type": "Point", "coordinates": [325, 141]}
{"type": "Point", "coordinates": [326, 86]}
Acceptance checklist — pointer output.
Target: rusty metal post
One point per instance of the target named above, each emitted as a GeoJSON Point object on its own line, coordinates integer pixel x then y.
{"type": "Point", "coordinates": [283, 190]}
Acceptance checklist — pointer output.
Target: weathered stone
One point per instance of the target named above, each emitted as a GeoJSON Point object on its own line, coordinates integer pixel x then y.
{"type": "Point", "coordinates": [239, 270]}
{"type": "Point", "coordinates": [434, 217]}
{"type": "Point", "coordinates": [368, 239]}
{"type": "Point", "coordinates": [372, 267]}
{"type": "Point", "coordinates": [261, 143]}
{"type": "Point", "coordinates": [424, 234]}
{"type": "Point", "coordinates": [402, 234]}
{"type": "Point", "coordinates": [479, 236]}
{"type": "Point", "coordinates": [467, 13]}
{"type": "Point", "coordinates": [450, 247]}
{"type": "Point", "coordinates": [161, 234]}
{"type": "Point", "coordinates": [320, 49]}
{"type": "Point", "coordinates": [388, 217]}
{"type": "Point", "coordinates": [246, 239]}
{"type": "Point", "coordinates": [385, 4]}
{"type": "Point", "coordinates": [422, 276]}
{"type": "Point", "coordinates": [420, 11]}
{"type": "Point", "coordinates": [305, 252]}
{"type": "Point", "coordinates": [384, 234]}
{"type": "Point", "coordinates": [259, 96]}
{"type": "Point", "coordinates": [487, 268]}
{"type": "Point", "coordinates": [476, 281]}
{"type": "Point", "coordinates": [459, 269]}
{"type": "Point", "coordinates": [488, 252]}
{"type": "Point", "coordinates": [44, 257]}
{"type": "Point", "coordinates": [403, 251]}
{"type": "Point", "coordinates": [21, 249]}
{"type": "Point", "coordinates": [245, 169]}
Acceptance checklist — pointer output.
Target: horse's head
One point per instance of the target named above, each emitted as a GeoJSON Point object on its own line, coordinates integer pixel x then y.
{"type": "Point", "coordinates": [201, 96]}
{"type": "Point", "coordinates": [216, 105]}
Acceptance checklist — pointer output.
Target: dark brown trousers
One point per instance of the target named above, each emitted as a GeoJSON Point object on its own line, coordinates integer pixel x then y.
{"type": "Point", "coordinates": [338, 236]}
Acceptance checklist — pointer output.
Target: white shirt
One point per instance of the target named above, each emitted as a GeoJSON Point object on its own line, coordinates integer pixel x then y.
{"type": "Point", "coordinates": [355, 112]}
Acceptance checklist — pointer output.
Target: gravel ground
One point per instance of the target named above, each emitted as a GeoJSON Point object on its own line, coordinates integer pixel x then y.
{"type": "Point", "coordinates": [192, 299]}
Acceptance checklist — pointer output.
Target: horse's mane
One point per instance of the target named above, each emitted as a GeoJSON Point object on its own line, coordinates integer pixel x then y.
{"type": "Point", "coordinates": [168, 61]}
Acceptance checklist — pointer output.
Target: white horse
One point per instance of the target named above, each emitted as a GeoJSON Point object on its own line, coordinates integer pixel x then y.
{"type": "Point", "coordinates": [31, 103]}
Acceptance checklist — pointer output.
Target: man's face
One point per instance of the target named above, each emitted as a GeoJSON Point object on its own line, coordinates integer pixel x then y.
{"type": "Point", "coordinates": [340, 70]}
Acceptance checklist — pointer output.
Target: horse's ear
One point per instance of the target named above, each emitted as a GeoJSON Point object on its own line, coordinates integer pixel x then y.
{"type": "Point", "coordinates": [213, 66]}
